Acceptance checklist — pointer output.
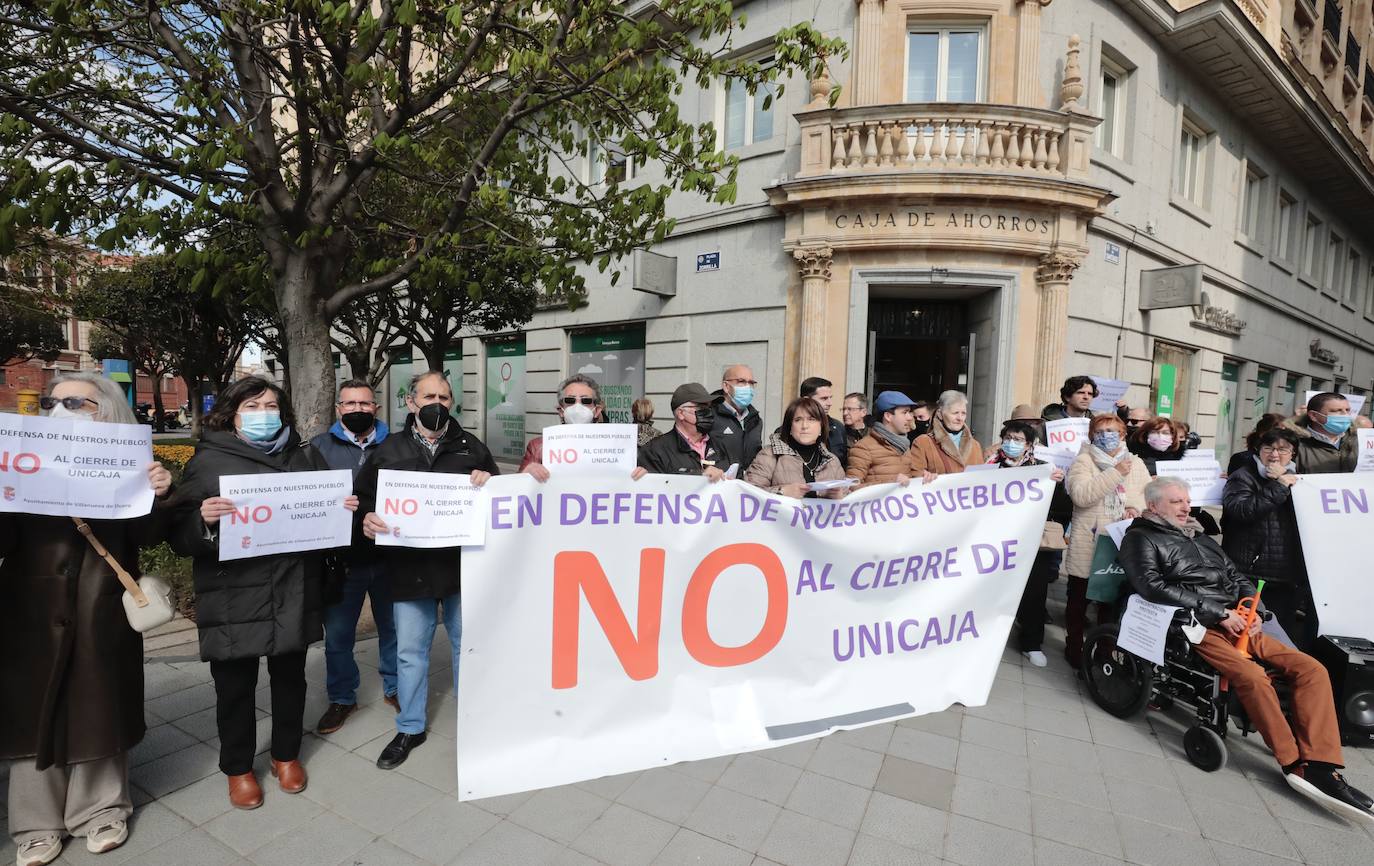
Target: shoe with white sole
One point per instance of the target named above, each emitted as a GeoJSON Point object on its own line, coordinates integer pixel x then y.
{"type": "Point", "coordinates": [36, 852]}
{"type": "Point", "coordinates": [1036, 658]}
{"type": "Point", "coordinates": [107, 837]}
{"type": "Point", "coordinates": [1328, 788]}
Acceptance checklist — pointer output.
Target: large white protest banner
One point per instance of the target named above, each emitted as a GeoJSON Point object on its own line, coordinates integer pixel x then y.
{"type": "Point", "coordinates": [1064, 438]}
{"type": "Point", "coordinates": [74, 468]}
{"type": "Point", "coordinates": [1205, 484]}
{"type": "Point", "coordinates": [283, 512]}
{"type": "Point", "coordinates": [591, 449]}
{"type": "Point", "coordinates": [429, 509]}
{"type": "Point", "coordinates": [1108, 392]}
{"type": "Point", "coordinates": [1333, 516]}
{"type": "Point", "coordinates": [639, 624]}
{"type": "Point", "coordinates": [1356, 400]}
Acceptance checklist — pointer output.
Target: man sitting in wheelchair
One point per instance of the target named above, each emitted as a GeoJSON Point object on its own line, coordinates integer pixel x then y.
{"type": "Point", "coordinates": [1168, 560]}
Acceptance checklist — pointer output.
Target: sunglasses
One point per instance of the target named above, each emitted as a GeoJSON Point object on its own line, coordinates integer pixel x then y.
{"type": "Point", "coordinates": [573, 401]}
{"type": "Point", "coordinates": [73, 404]}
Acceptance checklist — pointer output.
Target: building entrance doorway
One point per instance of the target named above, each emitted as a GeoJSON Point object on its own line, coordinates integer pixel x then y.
{"type": "Point", "coordinates": [919, 347]}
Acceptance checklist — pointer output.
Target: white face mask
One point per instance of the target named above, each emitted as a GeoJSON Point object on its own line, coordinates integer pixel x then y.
{"type": "Point", "coordinates": [60, 411]}
{"type": "Point", "coordinates": [578, 414]}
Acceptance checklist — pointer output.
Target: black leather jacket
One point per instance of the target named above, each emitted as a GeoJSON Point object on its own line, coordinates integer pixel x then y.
{"type": "Point", "coordinates": [1167, 567]}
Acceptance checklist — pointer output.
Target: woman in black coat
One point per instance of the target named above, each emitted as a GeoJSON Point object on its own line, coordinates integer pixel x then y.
{"type": "Point", "coordinates": [71, 668]}
{"type": "Point", "coordinates": [263, 606]}
{"type": "Point", "coordinates": [1260, 532]}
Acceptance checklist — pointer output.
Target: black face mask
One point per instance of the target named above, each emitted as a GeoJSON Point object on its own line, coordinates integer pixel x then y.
{"type": "Point", "coordinates": [921, 428]}
{"type": "Point", "coordinates": [706, 420]}
{"type": "Point", "coordinates": [433, 417]}
{"type": "Point", "coordinates": [358, 423]}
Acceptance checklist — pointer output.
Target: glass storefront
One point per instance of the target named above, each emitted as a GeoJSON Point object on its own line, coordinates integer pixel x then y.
{"type": "Point", "coordinates": [615, 359]}
{"type": "Point", "coordinates": [505, 397]}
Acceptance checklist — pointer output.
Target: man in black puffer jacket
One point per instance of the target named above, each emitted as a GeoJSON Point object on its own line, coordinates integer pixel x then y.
{"type": "Point", "coordinates": [421, 579]}
{"type": "Point", "coordinates": [1260, 532]}
{"type": "Point", "coordinates": [1169, 560]}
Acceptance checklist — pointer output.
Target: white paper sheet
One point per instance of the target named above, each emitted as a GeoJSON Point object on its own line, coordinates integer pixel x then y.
{"type": "Point", "coordinates": [1145, 627]}
{"type": "Point", "coordinates": [285, 512]}
{"type": "Point", "coordinates": [430, 509]}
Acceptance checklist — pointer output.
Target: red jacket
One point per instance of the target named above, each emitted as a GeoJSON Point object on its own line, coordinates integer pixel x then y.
{"type": "Point", "coordinates": [534, 453]}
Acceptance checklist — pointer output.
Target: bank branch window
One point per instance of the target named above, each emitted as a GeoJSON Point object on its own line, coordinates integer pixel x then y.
{"type": "Point", "coordinates": [1252, 203]}
{"type": "Point", "coordinates": [1111, 106]}
{"type": "Point", "coordinates": [749, 116]}
{"type": "Point", "coordinates": [1351, 280]}
{"type": "Point", "coordinates": [1285, 241]}
{"type": "Point", "coordinates": [1191, 180]}
{"type": "Point", "coordinates": [1312, 248]}
{"type": "Point", "coordinates": [945, 64]}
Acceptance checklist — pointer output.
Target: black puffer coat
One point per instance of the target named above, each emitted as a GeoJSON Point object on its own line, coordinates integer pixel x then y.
{"type": "Point", "coordinates": [263, 605]}
{"type": "Point", "coordinates": [1259, 529]}
{"type": "Point", "coordinates": [417, 573]}
{"type": "Point", "coordinates": [1167, 567]}
{"type": "Point", "coordinates": [71, 668]}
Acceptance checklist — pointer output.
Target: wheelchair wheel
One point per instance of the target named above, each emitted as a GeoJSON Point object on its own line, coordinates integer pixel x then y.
{"type": "Point", "coordinates": [1205, 748]}
{"type": "Point", "coordinates": [1119, 682]}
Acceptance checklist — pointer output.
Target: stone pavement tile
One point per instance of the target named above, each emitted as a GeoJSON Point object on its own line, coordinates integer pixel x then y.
{"type": "Point", "coordinates": [331, 779]}
{"type": "Point", "coordinates": [387, 799]}
{"type": "Point", "coordinates": [996, 804]}
{"type": "Point", "coordinates": [177, 705]}
{"type": "Point", "coordinates": [323, 841]}
{"type": "Point", "coordinates": [160, 740]}
{"type": "Point", "coordinates": [733, 818]}
{"type": "Point", "coordinates": [1065, 723]}
{"type": "Point", "coordinates": [1010, 669]}
{"type": "Point", "coordinates": [1137, 737]}
{"type": "Point", "coordinates": [689, 848]}
{"type": "Point", "coordinates": [609, 787]}
{"type": "Point", "coordinates": [799, 840]}
{"type": "Point", "coordinates": [924, 748]}
{"type": "Point", "coordinates": [560, 813]}
{"type": "Point", "coordinates": [795, 754]}
{"type": "Point", "coordinates": [199, 802]}
{"type": "Point", "coordinates": [624, 837]}
{"type": "Point", "coordinates": [1062, 751]}
{"type": "Point", "coordinates": [947, 723]}
{"type": "Point", "coordinates": [380, 853]}
{"type": "Point", "coordinates": [177, 770]}
{"type": "Point", "coordinates": [438, 767]}
{"type": "Point", "coordinates": [1150, 803]}
{"type": "Point", "coordinates": [911, 825]}
{"type": "Point", "coordinates": [161, 679]}
{"type": "Point", "coordinates": [1223, 786]}
{"type": "Point", "coordinates": [503, 805]}
{"type": "Point", "coordinates": [1327, 846]}
{"type": "Point", "coordinates": [196, 847]}
{"type": "Point", "coordinates": [1008, 711]}
{"type": "Point", "coordinates": [918, 783]}
{"type": "Point", "coordinates": [1049, 678]}
{"type": "Point", "coordinates": [443, 828]}
{"type": "Point", "coordinates": [1152, 845]}
{"type": "Point", "coordinates": [1121, 764]}
{"type": "Point", "coordinates": [1054, 699]}
{"type": "Point", "coordinates": [202, 725]}
{"type": "Point", "coordinates": [708, 770]}
{"type": "Point", "coordinates": [760, 777]}
{"type": "Point", "coordinates": [151, 826]}
{"type": "Point", "coordinates": [1230, 855]}
{"type": "Point", "coordinates": [1050, 853]}
{"type": "Point", "coordinates": [871, 737]}
{"type": "Point", "coordinates": [846, 763]}
{"type": "Point", "coordinates": [1066, 783]}
{"type": "Point", "coordinates": [1075, 825]}
{"type": "Point", "coordinates": [366, 724]}
{"type": "Point", "coordinates": [1246, 827]}
{"type": "Point", "coordinates": [1007, 688]}
{"type": "Point", "coordinates": [990, 765]}
{"type": "Point", "coordinates": [664, 793]}
{"type": "Point", "coordinates": [974, 843]}
{"type": "Point", "coordinates": [994, 735]}
{"type": "Point", "coordinates": [873, 851]}
{"type": "Point", "coordinates": [829, 799]}
{"type": "Point", "coordinates": [443, 717]}
{"type": "Point", "coordinates": [1284, 802]}
{"type": "Point", "coordinates": [279, 814]}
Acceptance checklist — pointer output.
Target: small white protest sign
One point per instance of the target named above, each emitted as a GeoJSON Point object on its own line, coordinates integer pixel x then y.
{"type": "Point", "coordinates": [430, 509]}
{"type": "Point", "coordinates": [1366, 440]}
{"type": "Point", "coordinates": [591, 449]}
{"type": "Point", "coordinates": [1356, 400]}
{"type": "Point", "coordinates": [285, 512]}
{"type": "Point", "coordinates": [1117, 530]}
{"type": "Point", "coordinates": [1145, 627]}
{"type": "Point", "coordinates": [1108, 392]}
{"type": "Point", "coordinates": [1203, 477]}
{"type": "Point", "coordinates": [69, 468]}
{"type": "Point", "coordinates": [1063, 440]}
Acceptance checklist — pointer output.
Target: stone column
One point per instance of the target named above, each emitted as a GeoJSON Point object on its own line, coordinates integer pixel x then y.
{"type": "Point", "coordinates": [868, 35]}
{"type": "Point", "coordinates": [1052, 323]}
{"type": "Point", "coordinates": [1028, 90]}
{"type": "Point", "coordinates": [814, 263]}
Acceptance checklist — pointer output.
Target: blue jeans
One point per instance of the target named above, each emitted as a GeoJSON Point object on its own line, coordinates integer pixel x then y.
{"type": "Point", "coordinates": [341, 628]}
{"type": "Point", "coordinates": [415, 624]}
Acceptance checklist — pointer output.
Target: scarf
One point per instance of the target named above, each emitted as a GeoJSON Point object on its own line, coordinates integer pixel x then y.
{"type": "Point", "coordinates": [1114, 505]}
{"type": "Point", "coordinates": [275, 445]}
{"type": "Point", "coordinates": [895, 440]}
{"type": "Point", "coordinates": [1189, 529]}
{"type": "Point", "coordinates": [1263, 471]}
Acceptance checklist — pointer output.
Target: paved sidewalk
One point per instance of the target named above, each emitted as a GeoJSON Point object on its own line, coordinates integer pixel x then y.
{"type": "Point", "coordinates": [1038, 776]}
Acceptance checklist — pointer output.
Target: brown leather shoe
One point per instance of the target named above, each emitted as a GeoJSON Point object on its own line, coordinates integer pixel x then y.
{"type": "Point", "coordinates": [290, 775]}
{"type": "Point", "coordinates": [244, 791]}
{"type": "Point", "coordinates": [334, 718]}
{"type": "Point", "coordinates": [390, 701]}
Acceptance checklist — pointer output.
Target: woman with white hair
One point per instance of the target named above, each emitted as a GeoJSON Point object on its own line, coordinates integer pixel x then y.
{"type": "Point", "coordinates": [949, 446]}
{"type": "Point", "coordinates": [72, 668]}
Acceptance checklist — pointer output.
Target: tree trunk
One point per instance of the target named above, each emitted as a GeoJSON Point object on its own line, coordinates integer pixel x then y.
{"type": "Point", "coordinates": [159, 421]}
{"type": "Point", "coordinates": [196, 396]}
{"type": "Point", "coordinates": [306, 335]}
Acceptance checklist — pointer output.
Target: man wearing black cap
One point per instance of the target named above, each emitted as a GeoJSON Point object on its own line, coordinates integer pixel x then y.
{"type": "Point", "coordinates": [687, 449]}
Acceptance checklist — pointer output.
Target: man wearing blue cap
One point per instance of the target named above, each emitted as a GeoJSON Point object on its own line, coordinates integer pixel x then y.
{"type": "Point", "coordinates": [881, 456]}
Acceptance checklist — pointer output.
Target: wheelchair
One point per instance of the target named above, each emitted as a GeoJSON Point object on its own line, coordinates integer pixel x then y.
{"type": "Point", "coordinates": [1123, 684]}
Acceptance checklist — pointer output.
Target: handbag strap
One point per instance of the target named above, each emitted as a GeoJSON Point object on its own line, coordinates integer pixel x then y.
{"type": "Point", "coordinates": [124, 577]}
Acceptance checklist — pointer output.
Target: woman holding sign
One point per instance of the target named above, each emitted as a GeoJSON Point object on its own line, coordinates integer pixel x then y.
{"type": "Point", "coordinates": [262, 606]}
{"type": "Point", "coordinates": [1107, 484]}
{"type": "Point", "coordinates": [795, 458]}
{"type": "Point", "coordinates": [72, 669]}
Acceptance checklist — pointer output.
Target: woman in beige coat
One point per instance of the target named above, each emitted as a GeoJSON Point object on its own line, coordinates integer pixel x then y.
{"type": "Point", "coordinates": [795, 455]}
{"type": "Point", "coordinates": [1107, 484]}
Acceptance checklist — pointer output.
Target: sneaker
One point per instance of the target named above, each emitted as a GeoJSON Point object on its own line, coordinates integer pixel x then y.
{"type": "Point", "coordinates": [44, 849]}
{"type": "Point", "coordinates": [1036, 658]}
{"type": "Point", "coordinates": [1327, 787]}
{"type": "Point", "coordinates": [334, 718]}
{"type": "Point", "coordinates": [107, 837]}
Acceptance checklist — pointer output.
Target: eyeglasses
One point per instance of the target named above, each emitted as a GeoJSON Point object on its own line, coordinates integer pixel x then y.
{"type": "Point", "coordinates": [1277, 449]}
{"type": "Point", "coordinates": [356, 405]}
{"type": "Point", "coordinates": [573, 401]}
{"type": "Point", "coordinates": [750, 382]}
{"type": "Point", "coordinates": [73, 404]}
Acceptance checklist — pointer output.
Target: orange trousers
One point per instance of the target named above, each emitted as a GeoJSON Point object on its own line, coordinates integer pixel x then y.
{"type": "Point", "coordinates": [1314, 734]}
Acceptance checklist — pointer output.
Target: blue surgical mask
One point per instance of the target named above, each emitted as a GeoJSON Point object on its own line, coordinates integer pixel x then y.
{"type": "Point", "coordinates": [1336, 425]}
{"type": "Point", "coordinates": [260, 426]}
{"type": "Point", "coordinates": [1013, 448]}
{"type": "Point", "coordinates": [1108, 441]}
{"type": "Point", "coordinates": [744, 395]}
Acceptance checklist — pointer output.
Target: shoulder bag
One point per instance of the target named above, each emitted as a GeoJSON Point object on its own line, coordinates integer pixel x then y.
{"type": "Point", "coordinates": [147, 602]}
